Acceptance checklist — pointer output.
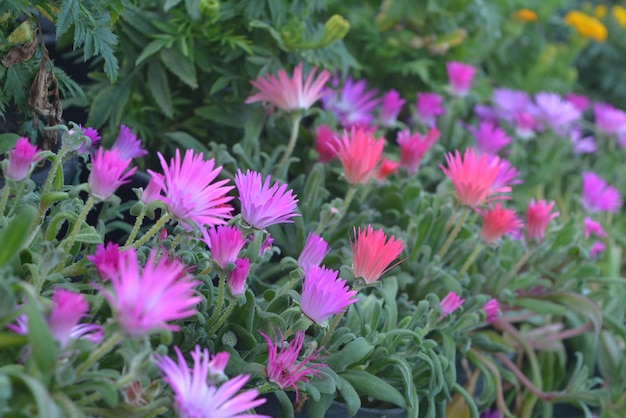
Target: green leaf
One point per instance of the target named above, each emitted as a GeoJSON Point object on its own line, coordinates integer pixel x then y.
{"type": "Point", "coordinates": [152, 48]}
{"type": "Point", "coordinates": [9, 340]}
{"type": "Point", "coordinates": [67, 16]}
{"type": "Point", "coordinates": [46, 408]}
{"type": "Point", "coordinates": [41, 343]}
{"type": "Point", "coordinates": [187, 141]}
{"type": "Point", "coordinates": [109, 104]}
{"type": "Point", "coordinates": [7, 141]}
{"type": "Point", "coordinates": [370, 385]}
{"type": "Point", "coordinates": [180, 66]}
{"type": "Point", "coordinates": [89, 235]}
{"type": "Point", "coordinates": [15, 234]}
{"type": "Point", "coordinates": [170, 3]}
{"type": "Point", "coordinates": [541, 306]}
{"type": "Point", "coordinates": [352, 353]}
{"type": "Point", "coordinates": [350, 397]}
{"type": "Point", "coordinates": [159, 88]}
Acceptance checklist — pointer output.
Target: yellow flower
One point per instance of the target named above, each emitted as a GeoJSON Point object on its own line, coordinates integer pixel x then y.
{"type": "Point", "coordinates": [525, 15]}
{"type": "Point", "coordinates": [586, 26]}
{"type": "Point", "coordinates": [619, 14]}
{"type": "Point", "coordinates": [600, 11]}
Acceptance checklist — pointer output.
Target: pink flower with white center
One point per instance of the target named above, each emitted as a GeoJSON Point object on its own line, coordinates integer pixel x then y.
{"type": "Point", "coordinates": [390, 108]}
{"type": "Point", "coordinates": [145, 299]}
{"type": "Point", "coordinates": [225, 243]}
{"type": "Point", "coordinates": [191, 192]}
{"type": "Point", "coordinates": [353, 105]}
{"type": "Point", "coordinates": [22, 158]}
{"type": "Point", "coordinates": [449, 304]}
{"type": "Point", "coordinates": [490, 138]}
{"type": "Point", "coordinates": [524, 125]}
{"type": "Point", "coordinates": [217, 368]}
{"type": "Point", "coordinates": [324, 294]}
{"type": "Point", "coordinates": [598, 195]}
{"type": "Point", "coordinates": [314, 251]}
{"type": "Point", "coordinates": [492, 310]}
{"type": "Point", "coordinates": [580, 145]}
{"type": "Point", "coordinates": [359, 152]}
{"type": "Point", "coordinates": [107, 259]}
{"type": "Point", "coordinates": [109, 170]}
{"type": "Point", "coordinates": [387, 168]}
{"type": "Point", "coordinates": [552, 110]}
{"type": "Point", "coordinates": [152, 192]}
{"type": "Point", "coordinates": [594, 228]}
{"type": "Point", "coordinates": [428, 107]}
{"type": "Point", "coordinates": [596, 248]}
{"type": "Point", "coordinates": [194, 398]}
{"type": "Point", "coordinates": [414, 146]}
{"type": "Point", "coordinates": [67, 310]}
{"type": "Point", "coordinates": [290, 94]}
{"type": "Point", "coordinates": [609, 120]}
{"type": "Point", "coordinates": [538, 217]}
{"type": "Point", "coordinates": [325, 139]}
{"type": "Point", "coordinates": [283, 367]}
{"type": "Point", "coordinates": [373, 254]}
{"type": "Point", "coordinates": [237, 277]}
{"type": "Point", "coordinates": [460, 76]}
{"type": "Point", "coordinates": [128, 145]}
{"type": "Point", "coordinates": [497, 221]}
{"type": "Point", "coordinates": [477, 179]}
{"type": "Point", "coordinates": [93, 138]}
{"type": "Point", "coordinates": [509, 103]}
{"type": "Point", "coordinates": [579, 101]}
{"type": "Point", "coordinates": [262, 205]}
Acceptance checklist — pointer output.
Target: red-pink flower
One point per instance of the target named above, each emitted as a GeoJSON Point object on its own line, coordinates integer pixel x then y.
{"type": "Point", "coordinates": [538, 217]}
{"type": "Point", "coordinates": [460, 77]}
{"type": "Point", "coordinates": [314, 251]}
{"type": "Point", "coordinates": [594, 228]}
{"type": "Point", "coordinates": [373, 253]}
{"type": "Point", "coordinates": [359, 152]}
{"type": "Point", "coordinates": [108, 172]}
{"type": "Point", "coordinates": [498, 221]}
{"type": "Point", "coordinates": [290, 94]}
{"type": "Point", "coordinates": [237, 277]}
{"type": "Point", "coordinates": [390, 108]}
{"type": "Point", "coordinates": [225, 243]}
{"type": "Point", "coordinates": [492, 310]}
{"type": "Point", "coordinates": [449, 304]}
{"type": "Point", "coordinates": [324, 294]}
{"type": "Point", "coordinates": [387, 168]}
{"type": "Point", "coordinates": [22, 157]}
{"type": "Point", "coordinates": [413, 147]}
{"type": "Point", "coordinates": [325, 139]}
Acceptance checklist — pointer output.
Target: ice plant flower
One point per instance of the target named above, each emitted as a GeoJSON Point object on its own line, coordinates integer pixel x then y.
{"type": "Point", "coordinates": [314, 251]}
{"type": "Point", "coordinates": [290, 94]}
{"type": "Point", "coordinates": [427, 107]}
{"type": "Point", "coordinates": [145, 299]}
{"type": "Point", "coordinates": [283, 367]}
{"type": "Point", "coordinates": [225, 243]}
{"type": "Point", "coordinates": [109, 170]}
{"type": "Point", "coordinates": [580, 145]}
{"type": "Point", "coordinates": [194, 398]}
{"type": "Point", "coordinates": [93, 136]}
{"type": "Point", "coordinates": [359, 152]}
{"type": "Point", "coordinates": [128, 145]}
{"type": "Point", "coordinates": [509, 102]}
{"type": "Point", "coordinates": [22, 157]}
{"type": "Point", "coordinates": [490, 138]}
{"type": "Point", "coordinates": [373, 253]}
{"type": "Point", "coordinates": [552, 110]}
{"type": "Point", "coordinates": [414, 146]}
{"type": "Point", "coordinates": [460, 76]}
{"type": "Point", "coordinates": [325, 139]}
{"type": "Point", "coordinates": [492, 310]}
{"type": "Point", "coordinates": [190, 192]}
{"type": "Point", "coordinates": [579, 101]}
{"type": "Point", "coordinates": [353, 105]}
{"type": "Point", "coordinates": [152, 191]}
{"type": "Point", "coordinates": [324, 294]}
{"type": "Point", "coordinates": [598, 195]}
{"type": "Point", "coordinates": [107, 259]}
{"type": "Point", "coordinates": [524, 125]}
{"type": "Point", "coordinates": [608, 119]}
{"type": "Point", "coordinates": [237, 277]}
{"type": "Point", "coordinates": [594, 228]}
{"type": "Point", "coordinates": [387, 168]}
{"type": "Point", "coordinates": [449, 304]}
{"type": "Point", "coordinates": [262, 205]}
{"type": "Point", "coordinates": [538, 217]}
{"type": "Point", "coordinates": [390, 108]}
{"type": "Point", "coordinates": [497, 221]}
{"type": "Point", "coordinates": [596, 248]}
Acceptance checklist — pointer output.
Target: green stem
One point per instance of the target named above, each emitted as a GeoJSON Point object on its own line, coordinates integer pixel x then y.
{"type": "Point", "coordinates": [100, 352]}
{"type": "Point", "coordinates": [290, 284]}
{"type": "Point", "coordinates": [344, 209]}
{"type": "Point", "coordinates": [17, 198]}
{"type": "Point", "coordinates": [514, 270]}
{"type": "Point", "coordinates": [138, 223]}
{"type": "Point", "coordinates": [220, 300]}
{"type": "Point", "coordinates": [470, 260]}
{"type": "Point", "coordinates": [151, 232]}
{"type": "Point", "coordinates": [222, 319]}
{"type": "Point", "coordinates": [453, 233]}
{"type": "Point", "coordinates": [332, 327]}
{"type": "Point", "coordinates": [79, 224]}
{"type": "Point", "coordinates": [54, 167]}
{"type": "Point", "coordinates": [6, 192]}
{"type": "Point", "coordinates": [295, 127]}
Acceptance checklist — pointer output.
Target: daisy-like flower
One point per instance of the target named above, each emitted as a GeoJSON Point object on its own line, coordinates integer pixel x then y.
{"type": "Point", "coordinates": [460, 76]}
{"type": "Point", "coordinates": [353, 105]}
{"type": "Point", "coordinates": [492, 310]}
{"type": "Point", "coordinates": [237, 277]}
{"type": "Point", "coordinates": [283, 367]}
{"type": "Point", "coordinates": [109, 170]}
{"type": "Point", "coordinates": [390, 108]}
{"type": "Point", "coordinates": [191, 195]}
{"type": "Point", "coordinates": [144, 300]}
{"type": "Point", "coordinates": [128, 145]}
{"type": "Point", "coordinates": [314, 251]}
{"type": "Point", "coordinates": [594, 228]}
{"type": "Point", "coordinates": [373, 253]}
{"type": "Point", "coordinates": [428, 106]}
{"type": "Point", "coordinates": [225, 243]}
{"type": "Point", "coordinates": [387, 168]}
{"type": "Point", "coordinates": [194, 398]}
{"type": "Point", "coordinates": [598, 195]}
{"type": "Point", "coordinates": [449, 304]}
{"type": "Point", "coordinates": [359, 152]}
{"type": "Point", "coordinates": [325, 139]}
{"type": "Point", "coordinates": [290, 94]}
{"type": "Point", "coordinates": [538, 217]}
{"type": "Point", "coordinates": [262, 205]}
{"type": "Point", "coordinates": [498, 221]}
{"type": "Point", "coordinates": [324, 294]}
{"type": "Point", "coordinates": [414, 146]}
{"type": "Point", "coordinates": [490, 138]}
{"type": "Point", "coordinates": [22, 157]}
{"type": "Point", "coordinates": [552, 110]}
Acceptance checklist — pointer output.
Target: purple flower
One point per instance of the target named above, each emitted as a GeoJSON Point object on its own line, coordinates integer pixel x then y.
{"type": "Point", "coordinates": [580, 145]}
{"type": "Point", "coordinates": [237, 277]}
{"type": "Point", "coordinates": [552, 110]}
{"type": "Point", "coordinates": [449, 304]}
{"type": "Point", "coordinates": [353, 105]}
{"type": "Point", "coordinates": [22, 157]}
{"type": "Point", "coordinates": [579, 101]}
{"type": "Point", "coordinates": [509, 103]}
{"type": "Point", "coordinates": [609, 120]}
{"type": "Point", "coordinates": [490, 138]}
{"type": "Point", "coordinates": [108, 172]}
{"type": "Point", "coordinates": [128, 145]}
{"type": "Point", "coordinates": [524, 125]}
{"type": "Point", "coordinates": [323, 294]}
{"type": "Point", "coordinates": [413, 147]}
{"type": "Point", "coordinates": [492, 310]}
{"type": "Point", "coordinates": [460, 76]}
{"type": "Point", "coordinates": [225, 243]}
{"type": "Point", "coordinates": [390, 108]}
{"type": "Point", "coordinates": [486, 113]}
{"type": "Point", "coordinates": [428, 106]}
{"type": "Point", "coordinates": [314, 251]}
{"type": "Point", "coordinates": [594, 228]}
{"type": "Point", "coordinates": [91, 134]}
{"type": "Point", "coordinates": [598, 195]}
{"type": "Point", "coordinates": [596, 248]}
{"type": "Point", "coordinates": [490, 414]}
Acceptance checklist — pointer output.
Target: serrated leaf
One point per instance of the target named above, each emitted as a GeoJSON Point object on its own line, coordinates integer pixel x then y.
{"type": "Point", "coordinates": [152, 48]}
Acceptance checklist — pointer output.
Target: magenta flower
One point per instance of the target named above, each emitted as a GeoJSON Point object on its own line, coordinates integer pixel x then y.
{"type": "Point", "coordinates": [509, 103]}
{"type": "Point", "coordinates": [314, 251]}
{"type": "Point", "coordinates": [498, 221]}
{"type": "Point", "coordinates": [91, 134]}
{"type": "Point", "coordinates": [598, 195]}
{"type": "Point", "coordinates": [413, 147]}
{"type": "Point", "coordinates": [492, 310]}
{"type": "Point", "coordinates": [128, 145]}
{"type": "Point", "coordinates": [359, 152]}
{"type": "Point", "coordinates": [506, 177]}
{"type": "Point", "coordinates": [490, 138]}
{"type": "Point", "coordinates": [460, 77]}
{"type": "Point", "coordinates": [580, 145]}
{"type": "Point", "coordinates": [290, 94]}
{"type": "Point", "coordinates": [194, 398]}
{"type": "Point", "coordinates": [144, 300]}
{"type": "Point", "coordinates": [325, 139]}
{"type": "Point", "coordinates": [428, 106]}
{"type": "Point", "coordinates": [609, 120]}
{"type": "Point", "coordinates": [353, 105]}
{"type": "Point", "coordinates": [524, 125]}
{"type": "Point", "coordinates": [107, 259]}
{"type": "Point", "coordinates": [373, 253]}
{"type": "Point", "coordinates": [552, 110]}
{"type": "Point", "coordinates": [390, 108]}
{"type": "Point", "coordinates": [449, 304]}
{"type": "Point", "coordinates": [190, 193]}
{"type": "Point", "coordinates": [538, 217]}
{"type": "Point", "coordinates": [152, 192]}
{"type": "Point", "coordinates": [283, 367]}
{"type": "Point", "coordinates": [267, 244]}
{"type": "Point", "coordinates": [262, 205]}
{"type": "Point", "coordinates": [109, 170]}
{"type": "Point", "coordinates": [225, 243]}
{"type": "Point", "coordinates": [596, 248]}
{"type": "Point", "coordinates": [579, 101]}
{"type": "Point", "coordinates": [594, 228]}
{"type": "Point", "coordinates": [22, 157]}
{"type": "Point", "coordinates": [490, 414]}
{"type": "Point", "coordinates": [487, 113]}
{"type": "Point", "coordinates": [237, 277]}
{"type": "Point", "coordinates": [324, 294]}
{"type": "Point", "coordinates": [387, 168]}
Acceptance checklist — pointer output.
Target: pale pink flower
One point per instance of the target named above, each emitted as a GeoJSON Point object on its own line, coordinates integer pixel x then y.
{"type": "Point", "coordinates": [290, 94]}
{"type": "Point", "coordinates": [390, 108]}
{"type": "Point", "coordinates": [449, 304]}
{"type": "Point", "coordinates": [225, 243]}
{"type": "Point", "coordinates": [325, 139]}
{"type": "Point", "coordinates": [283, 367]}
{"type": "Point", "coordinates": [128, 145]}
{"type": "Point", "coordinates": [373, 253]}
{"type": "Point", "coordinates": [497, 221]}
{"type": "Point", "coordinates": [107, 259]}
{"type": "Point", "coordinates": [191, 195]}
{"type": "Point", "coordinates": [428, 106]}
{"type": "Point", "coordinates": [414, 146]}
{"type": "Point", "coordinates": [594, 228]}
{"type": "Point", "coordinates": [324, 294]}
{"type": "Point", "coordinates": [353, 105]}
{"type": "Point", "coordinates": [22, 158]}
{"type": "Point", "coordinates": [152, 192]}
{"type": "Point", "coordinates": [267, 244]}
{"type": "Point", "coordinates": [538, 217]}
{"type": "Point", "coordinates": [492, 310]}
{"type": "Point", "coordinates": [387, 168]}
{"type": "Point", "coordinates": [460, 76]}
{"type": "Point", "coordinates": [609, 120]}
{"type": "Point", "coordinates": [194, 398]}
{"type": "Point", "coordinates": [262, 205]}
{"type": "Point", "coordinates": [509, 102]}
{"type": "Point", "coordinates": [579, 101]}
{"type": "Point", "coordinates": [237, 277]}
{"type": "Point", "coordinates": [490, 138]}
{"type": "Point", "coordinates": [314, 251]}
{"type": "Point", "coordinates": [109, 170]}
{"type": "Point", "coordinates": [596, 248]}
{"type": "Point", "coordinates": [598, 195]}
{"type": "Point", "coordinates": [145, 299]}
{"type": "Point", "coordinates": [217, 368]}
{"type": "Point", "coordinates": [359, 152]}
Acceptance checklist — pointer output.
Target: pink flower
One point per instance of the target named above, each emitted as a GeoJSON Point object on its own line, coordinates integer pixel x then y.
{"type": "Point", "coordinates": [108, 172]}
{"type": "Point", "coordinates": [283, 367]}
{"type": "Point", "coordinates": [194, 398]}
{"type": "Point", "coordinates": [460, 77]}
{"type": "Point", "coordinates": [390, 108]}
{"type": "Point", "coordinates": [325, 139]}
{"type": "Point", "coordinates": [580, 145]}
{"type": "Point", "coordinates": [510, 103]}
{"type": "Point", "coordinates": [579, 101]}
{"type": "Point", "coordinates": [524, 125]}
{"type": "Point", "coordinates": [237, 277]}
{"type": "Point", "coordinates": [152, 191]}
{"type": "Point", "coordinates": [387, 168]}
{"type": "Point", "coordinates": [144, 300]}
{"type": "Point", "coordinates": [413, 147]}
{"type": "Point", "coordinates": [267, 244]}
{"type": "Point", "coordinates": [598, 196]}
{"type": "Point", "coordinates": [324, 294]}
{"type": "Point", "coordinates": [538, 218]}
{"type": "Point", "coordinates": [594, 228]}
{"type": "Point", "coordinates": [225, 243]}
{"type": "Point", "coordinates": [353, 105]}
{"type": "Point", "coordinates": [314, 251]}
{"type": "Point", "coordinates": [449, 304]}
{"type": "Point", "coordinates": [609, 120]}
{"type": "Point", "coordinates": [107, 259]}
{"type": "Point", "coordinates": [190, 193]}
{"type": "Point", "coordinates": [128, 145]}
{"type": "Point", "coordinates": [262, 205]}
{"type": "Point", "coordinates": [498, 221]}
{"type": "Point", "coordinates": [22, 157]}
{"type": "Point", "coordinates": [91, 134]}
{"type": "Point", "coordinates": [290, 94]}
{"type": "Point", "coordinates": [359, 152]}
{"type": "Point", "coordinates": [490, 138]}
{"type": "Point", "coordinates": [553, 111]}
{"type": "Point", "coordinates": [506, 177]}
{"type": "Point", "coordinates": [477, 179]}
{"type": "Point", "coordinates": [428, 106]}
{"type": "Point", "coordinates": [596, 248]}
{"type": "Point", "coordinates": [492, 308]}
{"type": "Point", "coordinates": [373, 253]}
